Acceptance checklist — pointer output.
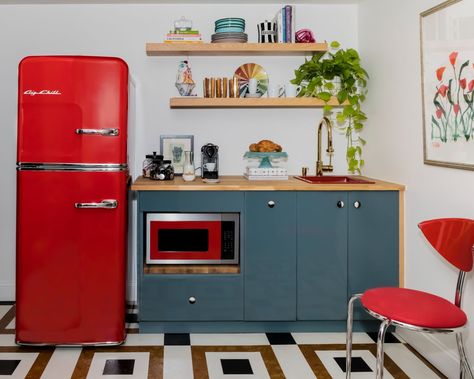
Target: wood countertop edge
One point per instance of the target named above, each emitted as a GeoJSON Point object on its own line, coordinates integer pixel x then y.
{"type": "Point", "coordinates": [239, 183]}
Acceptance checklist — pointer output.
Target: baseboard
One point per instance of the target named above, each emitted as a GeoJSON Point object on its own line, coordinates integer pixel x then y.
{"type": "Point", "coordinates": [445, 358]}
{"type": "Point", "coordinates": [7, 291]}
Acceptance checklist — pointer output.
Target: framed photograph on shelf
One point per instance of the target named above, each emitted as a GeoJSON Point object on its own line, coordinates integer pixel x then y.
{"type": "Point", "coordinates": [447, 69]}
{"type": "Point", "coordinates": [172, 147]}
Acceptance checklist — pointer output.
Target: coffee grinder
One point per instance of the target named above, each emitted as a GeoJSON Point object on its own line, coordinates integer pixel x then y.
{"type": "Point", "coordinates": [210, 161]}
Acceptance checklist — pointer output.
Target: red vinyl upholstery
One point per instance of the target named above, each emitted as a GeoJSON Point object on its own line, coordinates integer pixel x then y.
{"type": "Point", "coordinates": [413, 307]}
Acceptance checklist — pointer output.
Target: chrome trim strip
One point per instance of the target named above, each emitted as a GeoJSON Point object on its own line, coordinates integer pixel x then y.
{"type": "Point", "coordinates": [70, 167]}
{"type": "Point", "coordinates": [190, 261]}
{"type": "Point", "coordinates": [183, 217]}
{"type": "Point", "coordinates": [108, 343]}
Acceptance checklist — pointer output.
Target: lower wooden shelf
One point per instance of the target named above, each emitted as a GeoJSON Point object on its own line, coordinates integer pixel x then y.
{"type": "Point", "coordinates": [263, 102]}
{"type": "Point", "coordinates": [191, 269]}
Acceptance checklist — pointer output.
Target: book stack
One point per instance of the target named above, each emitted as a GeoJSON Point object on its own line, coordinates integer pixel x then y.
{"type": "Point", "coordinates": [285, 21]}
{"type": "Point", "coordinates": [187, 36]}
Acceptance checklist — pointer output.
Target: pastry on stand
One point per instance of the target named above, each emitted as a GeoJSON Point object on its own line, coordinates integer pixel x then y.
{"type": "Point", "coordinates": [266, 161]}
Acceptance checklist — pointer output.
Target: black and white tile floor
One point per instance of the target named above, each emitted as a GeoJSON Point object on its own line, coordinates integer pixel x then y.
{"type": "Point", "coordinates": [208, 356]}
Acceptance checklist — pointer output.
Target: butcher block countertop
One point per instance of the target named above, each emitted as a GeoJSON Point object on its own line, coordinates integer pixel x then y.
{"type": "Point", "coordinates": [240, 183]}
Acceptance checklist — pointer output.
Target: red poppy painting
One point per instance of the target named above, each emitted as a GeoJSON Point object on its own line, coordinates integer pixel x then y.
{"type": "Point", "coordinates": [448, 84]}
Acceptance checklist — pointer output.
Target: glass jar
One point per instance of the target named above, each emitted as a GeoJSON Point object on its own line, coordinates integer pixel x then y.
{"type": "Point", "coordinates": [188, 168]}
{"type": "Point", "coordinates": [163, 171]}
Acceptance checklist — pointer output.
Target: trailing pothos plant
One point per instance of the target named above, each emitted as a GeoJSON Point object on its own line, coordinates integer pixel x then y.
{"type": "Point", "coordinates": [338, 73]}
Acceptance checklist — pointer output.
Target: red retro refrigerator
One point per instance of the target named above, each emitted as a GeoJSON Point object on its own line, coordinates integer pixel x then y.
{"type": "Point", "coordinates": [71, 200]}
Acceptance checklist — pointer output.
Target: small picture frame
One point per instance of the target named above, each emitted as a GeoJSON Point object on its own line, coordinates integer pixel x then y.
{"type": "Point", "coordinates": [172, 148]}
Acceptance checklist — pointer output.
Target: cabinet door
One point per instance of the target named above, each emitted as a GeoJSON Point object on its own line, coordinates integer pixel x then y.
{"type": "Point", "coordinates": [373, 241]}
{"type": "Point", "coordinates": [322, 255]}
{"type": "Point", "coordinates": [270, 256]}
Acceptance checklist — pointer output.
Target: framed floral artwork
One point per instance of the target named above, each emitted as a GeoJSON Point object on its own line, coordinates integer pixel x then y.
{"type": "Point", "coordinates": [447, 66]}
{"type": "Point", "coordinates": [172, 148]}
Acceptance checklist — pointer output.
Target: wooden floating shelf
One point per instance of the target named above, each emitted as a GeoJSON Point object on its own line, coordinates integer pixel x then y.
{"type": "Point", "coordinates": [182, 48]}
{"type": "Point", "coordinates": [264, 102]}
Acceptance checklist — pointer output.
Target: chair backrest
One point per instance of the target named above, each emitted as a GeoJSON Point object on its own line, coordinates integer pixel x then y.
{"type": "Point", "coordinates": [453, 238]}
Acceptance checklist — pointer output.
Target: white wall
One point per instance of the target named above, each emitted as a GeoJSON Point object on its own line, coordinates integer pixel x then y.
{"type": "Point", "coordinates": [123, 30]}
{"type": "Point", "coordinates": [390, 45]}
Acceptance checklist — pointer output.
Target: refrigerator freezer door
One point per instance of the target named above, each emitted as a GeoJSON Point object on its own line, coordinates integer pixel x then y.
{"type": "Point", "coordinates": [71, 260]}
{"type": "Point", "coordinates": [72, 110]}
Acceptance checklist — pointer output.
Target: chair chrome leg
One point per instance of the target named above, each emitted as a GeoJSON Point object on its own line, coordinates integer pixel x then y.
{"type": "Point", "coordinates": [350, 317]}
{"type": "Point", "coordinates": [380, 341]}
{"type": "Point", "coordinates": [464, 366]}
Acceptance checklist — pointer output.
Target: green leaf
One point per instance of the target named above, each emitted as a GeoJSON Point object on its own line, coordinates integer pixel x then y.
{"type": "Point", "coordinates": [351, 151]}
{"type": "Point", "coordinates": [327, 108]}
{"type": "Point", "coordinates": [325, 96]}
{"type": "Point", "coordinates": [335, 45]}
{"type": "Point", "coordinates": [358, 126]}
{"type": "Point", "coordinates": [342, 96]}
{"type": "Point", "coordinates": [362, 141]}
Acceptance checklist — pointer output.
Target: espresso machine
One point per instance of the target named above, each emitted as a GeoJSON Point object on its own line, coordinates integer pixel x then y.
{"type": "Point", "coordinates": [210, 162]}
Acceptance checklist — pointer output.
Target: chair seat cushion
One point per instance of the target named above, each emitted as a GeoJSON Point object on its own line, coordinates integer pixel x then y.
{"type": "Point", "coordinates": [413, 307]}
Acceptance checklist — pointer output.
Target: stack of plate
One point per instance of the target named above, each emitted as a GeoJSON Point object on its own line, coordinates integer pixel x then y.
{"type": "Point", "coordinates": [229, 30]}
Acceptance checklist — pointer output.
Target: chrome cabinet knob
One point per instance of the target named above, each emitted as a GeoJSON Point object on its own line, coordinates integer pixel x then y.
{"type": "Point", "coordinates": [271, 204]}
{"type": "Point", "coordinates": [357, 204]}
{"type": "Point", "coordinates": [192, 300]}
{"type": "Point", "coordinates": [340, 204]}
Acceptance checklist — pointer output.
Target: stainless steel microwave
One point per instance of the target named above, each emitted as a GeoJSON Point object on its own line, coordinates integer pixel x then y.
{"type": "Point", "coordinates": [192, 238]}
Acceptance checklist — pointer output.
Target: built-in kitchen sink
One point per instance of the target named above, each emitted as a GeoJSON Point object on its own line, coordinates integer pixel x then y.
{"type": "Point", "coordinates": [332, 179]}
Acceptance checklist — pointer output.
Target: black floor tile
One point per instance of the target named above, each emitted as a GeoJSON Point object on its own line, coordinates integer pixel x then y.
{"type": "Point", "coordinates": [131, 318]}
{"type": "Point", "coordinates": [177, 339]}
{"type": "Point", "coordinates": [236, 367]}
{"type": "Point", "coordinates": [280, 339]}
{"type": "Point", "coordinates": [8, 366]}
{"type": "Point", "coordinates": [357, 364]}
{"type": "Point", "coordinates": [119, 367]}
{"type": "Point", "coordinates": [389, 337]}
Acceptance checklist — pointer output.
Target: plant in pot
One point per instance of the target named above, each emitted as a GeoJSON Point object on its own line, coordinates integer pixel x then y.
{"type": "Point", "coordinates": [338, 73]}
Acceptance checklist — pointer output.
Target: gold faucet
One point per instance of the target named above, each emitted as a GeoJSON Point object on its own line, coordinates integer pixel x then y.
{"type": "Point", "coordinates": [320, 167]}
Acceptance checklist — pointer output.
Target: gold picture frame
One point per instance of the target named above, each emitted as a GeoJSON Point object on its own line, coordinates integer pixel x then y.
{"type": "Point", "coordinates": [447, 82]}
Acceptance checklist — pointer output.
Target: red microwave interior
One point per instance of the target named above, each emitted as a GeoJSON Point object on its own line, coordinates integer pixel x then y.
{"type": "Point", "coordinates": [185, 240]}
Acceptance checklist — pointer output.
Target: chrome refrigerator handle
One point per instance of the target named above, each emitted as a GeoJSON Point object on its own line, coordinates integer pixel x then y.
{"type": "Point", "coordinates": [100, 132]}
{"type": "Point", "coordinates": [106, 204]}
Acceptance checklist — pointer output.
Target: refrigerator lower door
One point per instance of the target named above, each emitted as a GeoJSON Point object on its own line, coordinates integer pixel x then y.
{"type": "Point", "coordinates": [71, 257]}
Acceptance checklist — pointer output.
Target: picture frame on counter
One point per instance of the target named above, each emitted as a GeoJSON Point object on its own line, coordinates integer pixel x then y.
{"type": "Point", "coordinates": [172, 147]}
{"type": "Point", "coordinates": [447, 81]}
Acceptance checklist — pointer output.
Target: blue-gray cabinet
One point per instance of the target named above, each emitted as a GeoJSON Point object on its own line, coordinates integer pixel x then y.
{"type": "Point", "coordinates": [303, 253]}
{"type": "Point", "coordinates": [270, 256]}
{"type": "Point", "coordinates": [322, 255]}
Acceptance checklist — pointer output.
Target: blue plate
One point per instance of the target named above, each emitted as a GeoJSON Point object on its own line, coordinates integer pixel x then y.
{"type": "Point", "coordinates": [229, 30]}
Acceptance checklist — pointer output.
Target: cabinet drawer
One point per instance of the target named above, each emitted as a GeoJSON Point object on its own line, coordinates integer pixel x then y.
{"type": "Point", "coordinates": [170, 298]}
{"type": "Point", "coordinates": [191, 201]}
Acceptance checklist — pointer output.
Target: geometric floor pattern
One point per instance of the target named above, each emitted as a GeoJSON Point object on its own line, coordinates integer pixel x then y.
{"type": "Point", "coordinates": [209, 356]}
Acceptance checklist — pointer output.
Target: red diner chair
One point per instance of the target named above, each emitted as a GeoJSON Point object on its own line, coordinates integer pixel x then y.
{"type": "Point", "coordinates": [419, 311]}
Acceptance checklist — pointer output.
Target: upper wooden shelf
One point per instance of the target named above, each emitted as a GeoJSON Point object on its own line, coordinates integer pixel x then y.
{"type": "Point", "coordinates": [263, 102]}
{"type": "Point", "coordinates": [181, 48]}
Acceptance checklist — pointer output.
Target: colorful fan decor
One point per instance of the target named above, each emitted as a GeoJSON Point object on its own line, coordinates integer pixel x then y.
{"type": "Point", "coordinates": [251, 70]}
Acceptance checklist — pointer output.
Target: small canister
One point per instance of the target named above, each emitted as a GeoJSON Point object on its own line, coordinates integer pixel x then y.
{"type": "Point", "coordinates": [150, 163]}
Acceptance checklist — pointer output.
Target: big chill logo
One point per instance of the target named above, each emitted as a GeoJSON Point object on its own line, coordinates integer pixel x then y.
{"type": "Point", "coordinates": [31, 92]}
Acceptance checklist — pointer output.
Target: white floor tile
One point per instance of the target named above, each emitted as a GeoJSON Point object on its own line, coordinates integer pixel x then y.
{"type": "Point", "coordinates": [214, 365]}
{"type": "Point", "coordinates": [178, 363]}
{"type": "Point", "coordinates": [26, 361]}
{"type": "Point", "coordinates": [329, 338]}
{"type": "Point", "coordinates": [292, 362]}
{"type": "Point", "coordinates": [232, 339]}
{"type": "Point", "coordinates": [335, 371]}
{"type": "Point", "coordinates": [408, 362]}
{"type": "Point", "coordinates": [144, 340]}
{"type": "Point", "coordinates": [7, 340]}
{"type": "Point", "coordinates": [140, 370]}
{"type": "Point", "coordinates": [62, 363]}
{"type": "Point", "coordinates": [11, 325]}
